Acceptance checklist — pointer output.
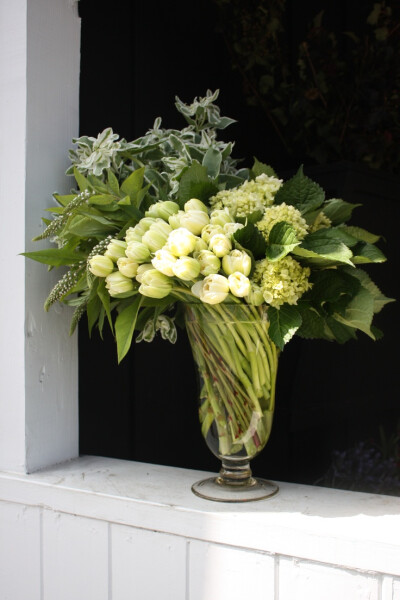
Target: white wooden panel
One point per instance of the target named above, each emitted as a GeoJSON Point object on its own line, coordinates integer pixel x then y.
{"type": "Point", "coordinates": [225, 573]}
{"type": "Point", "coordinates": [396, 589]}
{"type": "Point", "coordinates": [147, 565]}
{"type": "Point", "coordinates": [75, 558]}
{"type": "Point", "coordinates": [304, 580]}
{"type": "Point", "coordinates": [19, 552]}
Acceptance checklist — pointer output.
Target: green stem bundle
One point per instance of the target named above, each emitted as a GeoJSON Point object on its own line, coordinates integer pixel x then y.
{"type": "Point", "coordinates": [237, 364]}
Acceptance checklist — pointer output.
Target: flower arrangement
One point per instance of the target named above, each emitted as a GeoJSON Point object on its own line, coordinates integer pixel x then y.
{"type": "Point", "coordinates": [171, 219]}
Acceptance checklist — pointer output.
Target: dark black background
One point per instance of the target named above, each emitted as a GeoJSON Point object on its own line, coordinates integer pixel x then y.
{"type": "Point", "coordinates": [136, 56]}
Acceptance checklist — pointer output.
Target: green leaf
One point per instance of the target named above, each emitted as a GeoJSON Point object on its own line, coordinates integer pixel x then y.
{"type": "Point", "coordinates": [55, 257]}
{"type": "Point", "coordinates": [125, 326]}
{"type": "Point", "coordinates": [64, 200]}
{"type": "Point", "coordinates": [112, 182]}
{"type": "Point", "coordinates": [321, 245]}
{"type": "Point", "coordinates": [85, 227]}
{"type": "Point", "coordinates": [105, 300]}
{"type": "Point", "coordinates": [195, 184]}
{"type": "Point", "coordinates": [81, 180]}
{"type": "Point", "coordinates": [358, 312]}
{"type": "Point", "coordinates": [281, 240]}
{"type": "Point", "coordinates": [284, 323]}
{"type": "Point", "coordinates": [301, 192]}
{"type": "Point", "coordinates": [330, 286]}
{"type": "Point", "coordinates": [250, 238]}
{"type": "Point", "coordinates": [379, 299]}
{"type": "Point", "coordinates": [340, 332]}
{"type": "Point", "coordinates": [93, 311]}
{"type": "Point", "coordinates": [361, 234]}
{"type": "Point", "coordinates": [338, 211]}
{"type": "Point", "coordinates": [367, 253]}
{"type": "Point", "coordinates": [253, 217]}
{"type": "Point", "coordinates": [259, 168]}
{"type": "Point", "coordinates": [101, 199]}
{"type": "Point", "coordinates": [133, 184]}
{"type": "Point", "coordinates": [212, 162]}
{"type": "Point", "coordinates": [313, 325]}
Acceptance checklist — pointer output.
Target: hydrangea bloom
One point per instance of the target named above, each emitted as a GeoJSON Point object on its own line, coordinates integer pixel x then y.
{"type": "Point", "coordinates": [282, 281]}
{"type": "Point", "coordinates": [252, 195]}
{"type": "Point", "coordinates": [283, 212]}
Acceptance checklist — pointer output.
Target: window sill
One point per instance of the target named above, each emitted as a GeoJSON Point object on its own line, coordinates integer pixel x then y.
{"type": "Point", "coordinates": [348, 529]}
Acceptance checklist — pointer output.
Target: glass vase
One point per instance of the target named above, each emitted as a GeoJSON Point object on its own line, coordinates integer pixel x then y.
{"type": "Point", "coordinates": [237, 366]}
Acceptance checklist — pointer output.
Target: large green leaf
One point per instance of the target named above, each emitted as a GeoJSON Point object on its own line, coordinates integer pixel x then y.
{"type": "Point", "coordinates": [133, 184]}
{"type": "Point", "coordinates": [379, 299]}
{"type": "Point", "coordinates": [361, 234]}
{"type": "Point", "coordinates": [105, 300]}
{"type": "Point", "coordinates": [313, 325]}
{"type": "Point", "coordinates": [55, 257]}
{"type": "Point", "coordinates": [212, 162]}
{"type": "Point", "coordinates": [321, 245]}
{"type": "Point", "coordinates": [332, 288]}
{"type": "Point", "coordinates": [358, 312]}
{"type": "Point", "coordinates": [301, 192]}
{"type": "Point", "coordinates": [196, 184]}
{"type": "Point", "coordinates": [125, 326]}
{"type": "Point", "coordinates": [260, 168]}
{"type": "Point", "coordinates": [338, 211]}
{"type": "Point", "coordinates": [284, 322]}
{"type": "Point", "coordinates": [282, 239]}
{"type": "Point", "coordinates": [81, 180]}
{"type": "Point", "coordinates": [85, 227]}
{"type": "Point", "coordinates": [250, 238]}
{"type": "Point", "coordinates": [367, 253]}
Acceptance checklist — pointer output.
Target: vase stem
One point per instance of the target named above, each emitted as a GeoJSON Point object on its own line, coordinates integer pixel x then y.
{"type": "Point", "coordinates": [236, 473]}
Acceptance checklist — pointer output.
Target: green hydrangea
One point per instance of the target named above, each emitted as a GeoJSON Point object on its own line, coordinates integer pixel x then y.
{"type": "Point", "coordinates": [282, 281]}
{"type": "Point", "coordinates": [283, 212]}
{"type": "Point", "coordinates": [251, 196]}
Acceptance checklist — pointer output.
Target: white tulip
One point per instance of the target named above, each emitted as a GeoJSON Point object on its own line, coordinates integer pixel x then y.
{"type": "Point", "coordinates": [181, 242]}
{"type": "Point", "coordinates": [239, 284]}
{"type": "Point", "coordinates": [163, 261]}
{"type": "Point", "coordinates": [214, 290]}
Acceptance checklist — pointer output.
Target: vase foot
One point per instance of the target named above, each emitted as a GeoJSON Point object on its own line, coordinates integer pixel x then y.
{"type": "Point", "coordinates": [214, 489]}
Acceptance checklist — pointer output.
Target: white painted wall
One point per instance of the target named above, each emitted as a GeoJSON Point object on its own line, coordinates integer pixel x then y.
{"type": "Point", "coordinates": [107, 529]}
{"type": "Point", "coordinates": [39, 101]}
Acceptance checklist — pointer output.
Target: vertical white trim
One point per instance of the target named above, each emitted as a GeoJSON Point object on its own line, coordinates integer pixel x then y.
{"type": "Point", "coordinates": [39, 106]}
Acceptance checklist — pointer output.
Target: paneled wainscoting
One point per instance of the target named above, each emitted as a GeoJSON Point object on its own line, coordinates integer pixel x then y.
{"type": "Point", "coordinates": [105, 529]}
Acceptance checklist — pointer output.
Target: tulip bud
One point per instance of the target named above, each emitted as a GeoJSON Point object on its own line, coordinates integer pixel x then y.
{"type": "Point", "coordinates": [163, 261]}
{"type": "Point", "coordinates": [186, 268]}
{"type": "Point", "coordinates": [175, 220]}
{"type": "Point", "coordinates": [209, 263]}
{"type": "Point", "coordinates": [209, 230]}
{"type": "Point", "coordinates": [162, 210]}
{"type": "Point", "coordinates": [231, 228]}
{"type": "Point", "coordinates": [141, 270]}
{"type": "Point", "coordinates": [117, 283]}
{"type": "Point", "coordinates": [236, 261]}
{"type": "Point", "coordinates": [194, 220]}
{"type": "Point", "coordinates": [214, 290]}
{"type": "Point", "coordinates": [181, 242]}
{"type": "Point", "coordinates": [195, 204]}
{"type": "Point", "coordinates": [220, 217]}
{"type": "Point", "coordinates": [155, 284]}
{"type": "Point", "coordinates": [115, 250]}
{"type": "Point", "coordinates": [199, 246]}
{"type": "Point", "coordinates": [255, 296]}
{"type": "Point", "coordinates": [135, 234]}
{"type": "Point", "coordinates": [220, 244]}
{"type": "Point", "coordinates": [138, 252]}
{"type": "Point", "coordinates": [101, 266]}
{"type": "Point", "coordinates": [239, 284]}
{"type": "Point", "coordinates": [157, 235]}
{"type": "Point", "coordinates": [127, 266]}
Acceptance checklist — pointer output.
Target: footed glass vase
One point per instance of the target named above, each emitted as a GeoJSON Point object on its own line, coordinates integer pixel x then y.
{"type": "Point", "coordinates": [237, 366]}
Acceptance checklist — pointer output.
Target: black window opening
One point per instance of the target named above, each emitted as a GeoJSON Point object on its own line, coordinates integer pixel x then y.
{"type": "Point", "coordinates": [136, 57]}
